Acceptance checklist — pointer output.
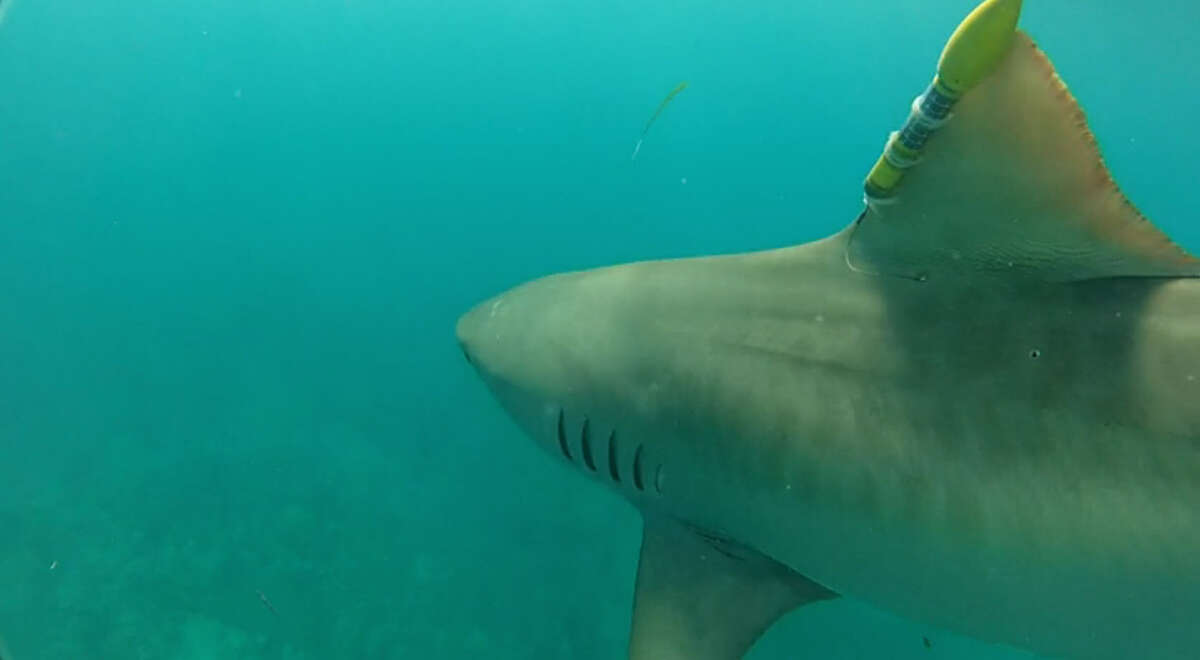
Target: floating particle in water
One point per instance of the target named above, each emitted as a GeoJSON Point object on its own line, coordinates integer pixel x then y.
{"type": "Point", "coordinates": [683, 181]}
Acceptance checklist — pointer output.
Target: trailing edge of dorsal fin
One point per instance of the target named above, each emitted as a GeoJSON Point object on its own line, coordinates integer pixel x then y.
{"type": "Point", "coordinates": [1014, 185]}
{"type": "Point", "coordinates": [702, 598]}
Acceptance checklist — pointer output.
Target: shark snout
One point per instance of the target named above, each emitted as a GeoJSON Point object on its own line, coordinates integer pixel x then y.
{"type": "Point", "coordinates": [542, 350]}
{"type": "Point", "coordinates": [492, 337]}
{"type": "Point", "coordinates": [469, 330]}
{"type": "Point", "coordinates": [532, 337]}
{"type": "Point", "coordinates": [500, 337]}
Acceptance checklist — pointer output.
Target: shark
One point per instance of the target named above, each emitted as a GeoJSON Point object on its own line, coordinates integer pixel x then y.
{"type": "Point", "coordinates": [977, 406]}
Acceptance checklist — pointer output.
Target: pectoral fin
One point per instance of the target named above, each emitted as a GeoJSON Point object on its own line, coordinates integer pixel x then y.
{"type": "Point", "coordinates": [701, 598]}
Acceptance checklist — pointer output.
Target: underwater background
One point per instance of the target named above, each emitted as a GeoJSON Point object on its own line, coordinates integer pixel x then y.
{"type": "Point", "coordinates": [235, 236]}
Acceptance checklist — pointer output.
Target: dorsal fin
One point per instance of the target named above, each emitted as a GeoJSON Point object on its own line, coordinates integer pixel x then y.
{"type": "Point", "coordinates": [1014, 184]}
{"type": "Point", "coordinates": [699, 597]}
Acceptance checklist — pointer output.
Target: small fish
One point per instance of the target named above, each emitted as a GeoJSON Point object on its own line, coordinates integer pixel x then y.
{"type": "Point", "coordinates": [53, 564]}
{"type": "Point", "coordinates": [262, 597]}
{"type": "Point", "coordinates": [661, 106]}
{"type": "Point", "coordinates": [928, 644]}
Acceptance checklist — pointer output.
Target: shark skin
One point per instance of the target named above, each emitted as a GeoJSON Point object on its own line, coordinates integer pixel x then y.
{"type": "Point", "coordinates": [976, 409]}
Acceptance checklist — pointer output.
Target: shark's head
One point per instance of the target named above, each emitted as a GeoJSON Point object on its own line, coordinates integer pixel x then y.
{"type": "Point", "coordinates": [629, 371]}
{"type": "Point", "coordinates": [507, 340]}
{"type": "Point", "coordinates": [550, 349]}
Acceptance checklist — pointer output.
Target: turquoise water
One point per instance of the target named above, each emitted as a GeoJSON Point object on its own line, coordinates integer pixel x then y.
{"type": "Point", "coordinates": [235, 236]}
